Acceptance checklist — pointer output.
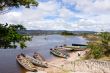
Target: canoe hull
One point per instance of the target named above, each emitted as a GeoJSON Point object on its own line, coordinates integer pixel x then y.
{"type": "Point", "coordinates": [62, 56]}
{"type": "Point", "coordinates": [26, 67]}
{"type": "Point", "coordinates": [37, 62]}
{"type": "Point", "coordinates": [39, 57]}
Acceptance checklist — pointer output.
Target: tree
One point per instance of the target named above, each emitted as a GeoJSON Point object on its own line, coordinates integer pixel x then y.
{"type": "Point", "coordinates": [7, 5]}
{"type": "Point", "coordinates": [10, 36]}
{"type": "Point", "coordinates": [17, 27]}
{"type": "Point", "coordinates": [17, 3]}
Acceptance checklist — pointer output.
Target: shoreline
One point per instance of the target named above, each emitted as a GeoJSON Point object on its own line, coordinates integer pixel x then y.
{"type": "Point", "coordinates": [56, 64]}
{"type": "Point", "coordinates": [75, 64]}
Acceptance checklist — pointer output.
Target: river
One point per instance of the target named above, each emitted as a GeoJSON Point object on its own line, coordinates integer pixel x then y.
{"type": "Point", "coordinates": [41, 44]}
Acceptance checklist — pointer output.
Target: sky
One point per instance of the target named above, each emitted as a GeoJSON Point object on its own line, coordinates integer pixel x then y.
{"type": "Point", "coordinates": [72, 15]}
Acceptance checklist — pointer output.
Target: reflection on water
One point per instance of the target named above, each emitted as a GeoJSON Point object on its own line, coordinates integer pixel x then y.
{"type": "Point", "coordinates": [42, 44]}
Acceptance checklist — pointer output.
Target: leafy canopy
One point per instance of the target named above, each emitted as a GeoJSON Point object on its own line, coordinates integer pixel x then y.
{"type": "Point", "coordinates": [10, 36]}
{"type": "Point", "coordinates": [17, 3]}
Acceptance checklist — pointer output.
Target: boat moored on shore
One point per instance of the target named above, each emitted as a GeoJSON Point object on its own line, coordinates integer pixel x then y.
{"type": "Point", "coordinates": [38, 56]}
{"type": "Point", "coordinates": [24, 62]}
{"type": "Point", "coordinates": [58, 53]}
{"type": "Point", "coordinates": [37, 62]}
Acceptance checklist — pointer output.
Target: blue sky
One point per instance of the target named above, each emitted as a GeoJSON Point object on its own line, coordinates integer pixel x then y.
{"type": "Point", "coordinates": [73, 15]}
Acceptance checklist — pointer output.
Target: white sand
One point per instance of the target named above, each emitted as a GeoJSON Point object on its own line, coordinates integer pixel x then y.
{"type": "Point", "coordinates": [70, 65]}
{"type": "Point", "coordinates": [57, 64]}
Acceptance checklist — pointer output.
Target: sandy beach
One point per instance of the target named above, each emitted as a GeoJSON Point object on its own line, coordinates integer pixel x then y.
{"type": "Point", "coordinates": [56, 65]}
{"type": "Point", "coordinates": [74, 64]}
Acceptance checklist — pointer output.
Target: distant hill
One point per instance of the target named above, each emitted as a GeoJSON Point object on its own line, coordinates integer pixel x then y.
{"type": "Point", "coordinates": [48, 32]}
{"type": "Point", "coordinates": [80, 32]}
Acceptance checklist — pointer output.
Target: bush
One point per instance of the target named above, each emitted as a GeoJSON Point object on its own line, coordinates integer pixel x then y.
{"type": "Point", "coordinates": [95, 51]}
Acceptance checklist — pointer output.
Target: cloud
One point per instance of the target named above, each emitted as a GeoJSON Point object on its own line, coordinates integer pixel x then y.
{"type": "Point", "coordinates": [73, 15]}
{"type": "Point", "coordinates": [90, 6]}
{"type": "Point", "coordinates": [30, 15]}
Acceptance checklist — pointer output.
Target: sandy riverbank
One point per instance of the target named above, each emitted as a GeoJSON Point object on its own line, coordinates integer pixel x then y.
{"type": "Point", "coordinates": [74, 64]}
{"type": "Point", "coordinates": [56, 65]}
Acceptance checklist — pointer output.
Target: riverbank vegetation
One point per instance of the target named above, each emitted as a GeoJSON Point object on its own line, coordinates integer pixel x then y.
{"type": "Point", "coordinates": [90, 37]}
{"type": "Point", "coordinates": [100, 46]}
{"type": "Point", "coordinates": [10, 36]}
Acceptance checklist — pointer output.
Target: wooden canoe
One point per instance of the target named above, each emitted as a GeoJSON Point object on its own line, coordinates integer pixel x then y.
{"type": "Point", "coordinates": [75, 48]}
{"type": "Point", "coordinates": [58, 53]}
{"type": "Point", "coordinates": [39, 57]}
{"type": "Point", "coordinates": [37, 62]}
{"type": "Point", "coordinates": [24, 62]}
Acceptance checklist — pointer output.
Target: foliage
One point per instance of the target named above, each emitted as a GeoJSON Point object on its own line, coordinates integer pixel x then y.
{"type": "Point", "coordinates": [98, 49]}
{"type": "Point", "coordinates": [22, 45]}
{"type": "Point", "coordinates": [9, 36]}
{"type": "Point", "coordinates": [17, 3]}
{"type": "Point", "coordinates": [90, 37]}
{"type": "Point", "coordinates": [105, 39]}
{"type": "Point", "coordinates": [67, 33]}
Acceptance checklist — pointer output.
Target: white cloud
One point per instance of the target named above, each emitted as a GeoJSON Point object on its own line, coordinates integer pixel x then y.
{"type": "Point", "coordinates": [65, 13]}
{"type": "Point", "coordinates": [46, 25]}
{"type": "Point", "coordinates": [91, 6]}
{"type": "Point", "coordinates": [92, 15]}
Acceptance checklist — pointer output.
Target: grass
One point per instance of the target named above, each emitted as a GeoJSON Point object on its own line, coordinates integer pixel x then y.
{"type": "Point", "coordinates": [105, 58]}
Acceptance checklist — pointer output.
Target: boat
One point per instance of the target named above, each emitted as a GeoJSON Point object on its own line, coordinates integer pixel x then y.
{"type": "Point", "coordinates": [71, 48]}
{"type": "Point", "coordinates": [75, 48]}
{"type": "Point", "coordinates": [38, 56]}
{"type": "Point", "coordinates": [58, 53]}
{"type": "Point", "coordinates": [79, 44]}
{"type": "Point", "coordinates": [24, 62]}
{"type": "Point", "coordinates": [37, 62]}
